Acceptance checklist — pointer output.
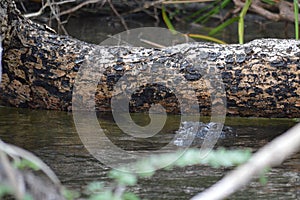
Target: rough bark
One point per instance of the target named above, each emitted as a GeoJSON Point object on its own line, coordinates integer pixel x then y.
{"type": "Point", "coordinates": [261, 78]}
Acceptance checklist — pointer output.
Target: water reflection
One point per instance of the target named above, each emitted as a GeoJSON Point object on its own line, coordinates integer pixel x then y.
{"type": "Point", "coordinates": [52, 136]}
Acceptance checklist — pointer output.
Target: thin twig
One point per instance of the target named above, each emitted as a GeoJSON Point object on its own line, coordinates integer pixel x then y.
{"type": "Point", "coordinates": [57, 17]}
{"type": "Point", "coordinates": [71, 10]}
{"type": "Point", "coordinates": [23, 7]}
{"type": "Point", "coordinates": [38, 13]}
{"type": "Point", "coordinates": [119, 39]}
{"type": "Point", "coordinates": [146, 6]}
{"type": "Point", "coordinates": [156, 16]}
{"type": "Point", "coordinates": [259, 10]}
{"type": "Point", "coordinates": [117, 13]}
{"type": "Point", "coordinates": [152, 43]}
{"type": "Point", "coordinates": [64, 2]}
{"type": "Point", "coordinates": [186, 1]}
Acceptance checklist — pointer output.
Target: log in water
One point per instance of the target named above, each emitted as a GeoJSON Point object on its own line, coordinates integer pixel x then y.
{"type": "Point", "coordinates": [261, 78]}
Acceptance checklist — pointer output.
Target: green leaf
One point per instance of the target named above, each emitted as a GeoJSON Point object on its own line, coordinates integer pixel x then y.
{"type": "Point", "coordinates": [27, 197]}
{"type": "Point", "coordinates": [271, 2]}
{"type": "Point", "coordinates": [296, 14]}
{"type": "Point", "coordinates": [168, 21]}
{"type": "Point", "coordinates": [215, 158]}
{"type": "Point", "coordinates": [145, 167]}
{"type": "Point", "coordinates": [189, 157]}
{"type": "Point", "coordinates": [95, 187]}
{"type": "Point", "coordinates": [24, 163]}
{"type": "Point", "coordinates": [241, 21]}
{"type": "Point", "coordinates": [263, 178]}
{"type": "Point", "coordinates": [130, 196]}
{"type": "Point", "coordinates": [201, 11]}
{"type": "Point", "coordinates": [70, 194]}
{"type": "Point", "coordinates": [223, 25]}
{"type": "Point", "coordinates": [4, 190]}
{"type": "Point", "coordinates": [123, 178]}
{"type": "Point", "coordinates": [106, 195]}
{"type": "Point", "coordinates": [204, 37]}
{"type": "Point", "coordinates": [203, 18]}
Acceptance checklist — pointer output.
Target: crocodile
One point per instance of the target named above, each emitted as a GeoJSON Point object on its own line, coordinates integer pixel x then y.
{"type": "Point", "coordinates": [193, 133]}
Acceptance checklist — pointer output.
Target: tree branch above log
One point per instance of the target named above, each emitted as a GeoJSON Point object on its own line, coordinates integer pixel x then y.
{"type": "Point", "coordinates": [286, 10]}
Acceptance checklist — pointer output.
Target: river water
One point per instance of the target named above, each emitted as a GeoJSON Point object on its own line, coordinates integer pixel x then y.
{"type": "Point", "coordinates": [52, 135]}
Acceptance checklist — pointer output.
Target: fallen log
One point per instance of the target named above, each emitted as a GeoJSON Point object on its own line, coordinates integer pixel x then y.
{"type": "Point", "coordinates": [261, 78]}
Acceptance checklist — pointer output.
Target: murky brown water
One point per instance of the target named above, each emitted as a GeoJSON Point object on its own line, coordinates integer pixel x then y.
{"type": "Point", "coordinates": [52, 136]}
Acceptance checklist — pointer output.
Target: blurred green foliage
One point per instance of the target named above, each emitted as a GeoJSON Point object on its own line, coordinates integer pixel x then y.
{"type": "Point", "coordinates": [121, 179]}
{"type": "Point", "coordinates": [213, 8]}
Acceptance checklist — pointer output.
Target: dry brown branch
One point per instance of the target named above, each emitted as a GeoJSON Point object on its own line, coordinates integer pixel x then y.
{"type": "Point", "coordinates": [54, 7]}
{"type": "Point", "coordinates": [146, 6]}
{"type": "Point", "coordinates": [263, 12]}
{"type": "Point", "coordinates": [272, 154]}
{"type": "Point", "coordinates": [185, 1]}
{"type": "Point", "coordinates": [117, 13]}
{"type": "Point", "coordinates": [38, 13]}
{"type": "Point", "coordinates": [156, 16]}
{"type": "Point", "coordinates": [64, 2]}
{"type": "Point", "coordinates": [23, 6]}
{"type": "Point", "coordinates": [71, 10]}
{"type": "Point", "coordinates": [286, 11]}
{"type": "Point", "coordinates": [258, 9]}
{"type": "Point", "coordinates": [55, 12]}
{"type": "Point", "coordinates": [270, 7]}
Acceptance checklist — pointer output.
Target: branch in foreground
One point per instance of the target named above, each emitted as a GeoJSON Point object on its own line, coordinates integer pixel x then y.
{"type": "Point", "coordinates": [270, 155]}
{"type": "Point", "coordinates": [22, 182]}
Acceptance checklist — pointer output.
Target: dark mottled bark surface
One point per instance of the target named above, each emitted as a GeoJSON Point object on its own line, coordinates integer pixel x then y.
{"type": "Point", "coordinates": [261, 78]}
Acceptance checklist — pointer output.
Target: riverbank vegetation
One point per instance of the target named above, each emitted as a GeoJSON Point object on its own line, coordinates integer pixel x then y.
{"type": "Point", "coordinates": [202, 12]}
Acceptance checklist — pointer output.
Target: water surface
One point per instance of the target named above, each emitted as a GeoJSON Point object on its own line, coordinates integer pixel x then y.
{"type": "Point", "coordinates": [52, 136]}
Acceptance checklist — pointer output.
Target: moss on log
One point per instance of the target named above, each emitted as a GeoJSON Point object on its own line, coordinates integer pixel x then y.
{"type": "Point", "coordinates": [261, 78]}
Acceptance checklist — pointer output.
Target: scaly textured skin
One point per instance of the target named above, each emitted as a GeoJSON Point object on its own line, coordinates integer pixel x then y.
{"type": "Point", "coordinates": [194, 133]}
{"type": "Point", "coordinates": [261, 78]}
